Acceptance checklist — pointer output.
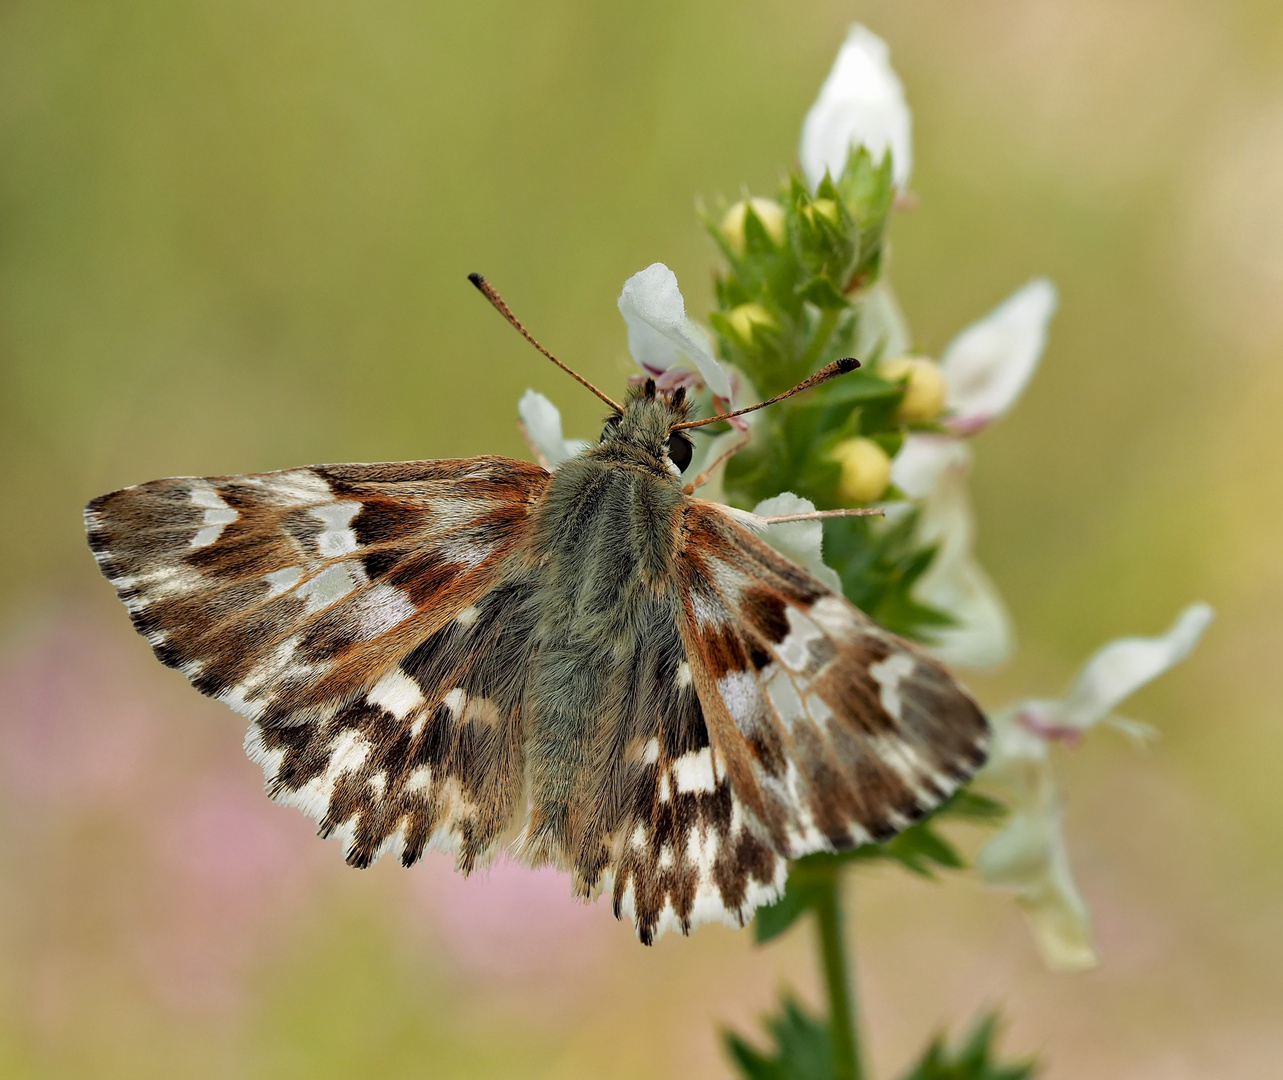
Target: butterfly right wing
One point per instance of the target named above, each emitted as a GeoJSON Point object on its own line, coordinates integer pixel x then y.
{"type": "Point", "coordinates": [832, 731]}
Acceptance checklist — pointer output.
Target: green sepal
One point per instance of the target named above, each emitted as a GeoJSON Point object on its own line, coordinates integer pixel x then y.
{"type": "Point", "coordinates": [821, 292]}
{"type": "Point", "coordinates": [802, 1050]}
{"type": "Point", "coordinates": [974, 1060]}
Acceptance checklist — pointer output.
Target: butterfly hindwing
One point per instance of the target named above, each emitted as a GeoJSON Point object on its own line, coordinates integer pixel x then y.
{"type": "Point", "coordinates": [834, 732]}
{"type": "Point", "coordinates": [368, 619]}
{"type": "Point", "coordinates": [432, 756]}
{"type": "Point", "coordinates": [685, 851]}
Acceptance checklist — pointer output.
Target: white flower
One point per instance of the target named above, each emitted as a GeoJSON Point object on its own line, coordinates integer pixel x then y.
{"type": "Point", "coordinates": [954, 582]}
{"type": "Point", "coordinates": [986, 367]}
{"type": "Point", "coordinates": [801, 541]}
{"type": "Point", "coordinates": [541, 424]}
{"type": "Point", "coordinates": [660, 336]}
{"type": "Point", "coordinates": [1029, 856]}
{"type": "Point", "coordinates": [860, 104]}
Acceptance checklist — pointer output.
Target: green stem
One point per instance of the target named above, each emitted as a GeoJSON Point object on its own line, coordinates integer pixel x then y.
{"type": "Point", "coordinates": [823, 331]}
{"type": "Point", "coordinates": [847, 1064]}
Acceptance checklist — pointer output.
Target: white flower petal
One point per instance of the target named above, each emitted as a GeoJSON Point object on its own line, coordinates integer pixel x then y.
{"type": "Point", "coordinates": [882, 330]}
{"type": "Point", "coordinates": [987, 366]}
{"type": "Point", "coordinates": [923, 459]}
{"type": "Point", "coordinates": [660, 336]}
{"type": "Point", "coordinates": [542, 423]}
{"type": "Point", "coordinates": [954, 583]}
{"type": "Point", "coordinates": [1122, 667]}
{"type": "Point", "coordinates": [1058, 914]}
{"type": "Point", "coordinates": [1029, 858]}
{"type": "Point", "coordinates": [983, 636]}
{"type": "Point", "coordinates": [801, 541]}
{"type": "Point", "coordinates": [860, 104]}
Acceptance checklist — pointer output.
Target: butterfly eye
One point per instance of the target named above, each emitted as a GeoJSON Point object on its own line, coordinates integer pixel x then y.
{"type": "Point", "coordinates": [680, 449]}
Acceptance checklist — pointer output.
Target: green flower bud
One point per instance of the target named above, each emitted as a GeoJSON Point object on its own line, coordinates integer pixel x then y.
{"type": "Point", "coordinates": [747, 316]}
{"type": "Point", "coordinates": [924, 392]}
{"type": "Point", "coordinates": [768, 212]}
{"type": "Point", "coordinates": [866, 470]}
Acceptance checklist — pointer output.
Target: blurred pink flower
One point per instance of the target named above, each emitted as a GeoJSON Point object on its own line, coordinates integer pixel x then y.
{"type": "Point", "coordinates": [510, 920]}
{"type": "Point", "coordinates": [200, 862]}
{"type": "Point", "coordinates": [73, 728]}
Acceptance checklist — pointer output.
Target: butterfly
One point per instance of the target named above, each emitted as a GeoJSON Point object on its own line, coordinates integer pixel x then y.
{"type": "Point", "coordinates": [589, 667]}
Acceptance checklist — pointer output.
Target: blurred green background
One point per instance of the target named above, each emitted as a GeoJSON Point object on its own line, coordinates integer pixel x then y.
{"type": "Point", "coordinates": [234, 237]}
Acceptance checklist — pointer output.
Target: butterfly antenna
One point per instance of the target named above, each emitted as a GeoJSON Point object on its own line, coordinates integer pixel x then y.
{"type": "Point", "coordinates": [490, 293]}
{"type": "Point", "coordinates": [830, 371]}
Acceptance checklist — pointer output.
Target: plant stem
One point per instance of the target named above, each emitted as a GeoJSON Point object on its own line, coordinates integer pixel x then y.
{"type": "Point", "coordinates": [823, 331]}
{"type": "Point", "coordinates": [843, 1025]}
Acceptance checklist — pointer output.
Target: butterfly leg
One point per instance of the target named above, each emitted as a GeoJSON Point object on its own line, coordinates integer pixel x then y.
{"type": "Point", "coordinates": [723, 457]}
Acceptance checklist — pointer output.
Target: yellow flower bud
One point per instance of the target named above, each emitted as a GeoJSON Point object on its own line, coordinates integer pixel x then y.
{"type": "Point", "coordinates": [825, 208]}
{"type": "Point", "coordinates": [768, 212]}
{"type": "Point", "coordinates": [923, 393]}
{"type": "Point", "coordinates": [866, 470]}
{"type": "Point", "coordinates": [747, 316]}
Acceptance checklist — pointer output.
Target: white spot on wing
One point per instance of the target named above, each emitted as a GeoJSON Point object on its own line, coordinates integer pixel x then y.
{"type": "Point", "coordinates": [707, 610]}
{"type": "Point", "coordinates": [834, 616]}
{"type": "Point", "coordinates": [793, 651]}
{"type": "Point", "coordinates": [204, 495]}
{"type": "Point", "coordinates": [683, 675]}
{"type": "Point", "coordinates": [888, 674]}
{"type": "Point", "coordinates": [694, 772]}
{"type": "Point", "coordinates": [467, 618]}
{"type": "Point", "coordinates": [818, 709]}
{"type": "Point", "coordinates": [279, 581]}
{"type": "Point", "coordinates": [380, 608]}
{"type": "Point", "coordinates": [337, 538]}
{"type": "Point", "coordinates": [650, 752]}
{"type": "Point", "coordinates": [467, 552]}
{"type": "Point", "coordinates": [396, 692]}
{"type": "Point", "coordinates": [348, 752]}
{"type": "Point", "coordinates": [455, 700]}
{"type": "Point", "coordinates": [217, 514]}
{"type": "Point", "coordinates": [739, 691]}
{"type": "Point", "coordinates": [785, 698]}
{"type": "Point", "coordinates": [329, 586]}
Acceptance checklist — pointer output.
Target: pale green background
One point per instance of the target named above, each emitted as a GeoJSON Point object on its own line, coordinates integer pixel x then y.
{"type": "Point", "coordinates": [234, 237]}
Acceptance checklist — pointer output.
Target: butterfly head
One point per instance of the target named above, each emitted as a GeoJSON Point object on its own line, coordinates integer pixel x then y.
{"type": "Point", "coordinates": [642, 434]}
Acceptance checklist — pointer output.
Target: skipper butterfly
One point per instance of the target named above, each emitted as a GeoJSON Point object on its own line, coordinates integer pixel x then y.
{"type": "Point", "coordinates": [591, 667]}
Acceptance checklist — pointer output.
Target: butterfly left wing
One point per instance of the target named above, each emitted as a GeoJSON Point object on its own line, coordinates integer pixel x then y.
{"type": "Point", "coordinates": [365, 618]}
